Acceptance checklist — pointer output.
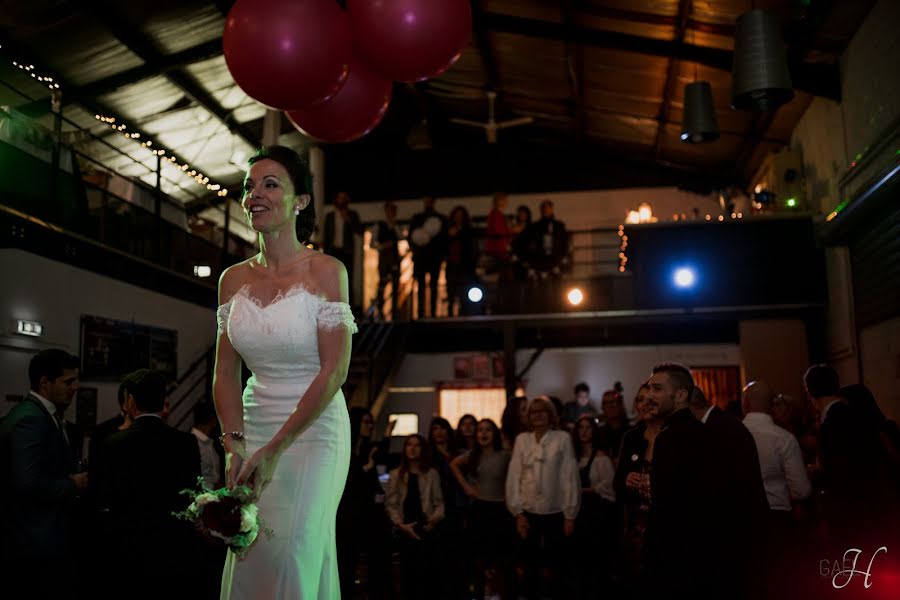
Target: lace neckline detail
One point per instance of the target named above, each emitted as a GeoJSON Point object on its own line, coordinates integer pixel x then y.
{"type": "Point", "coordinates": [295, 290]}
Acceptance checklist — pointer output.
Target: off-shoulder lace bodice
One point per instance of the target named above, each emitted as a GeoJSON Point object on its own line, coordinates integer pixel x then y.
{"type": "Point", "coordinates": [278, 340]}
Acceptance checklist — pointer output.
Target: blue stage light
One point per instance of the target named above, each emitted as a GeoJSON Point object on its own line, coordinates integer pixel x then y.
{"type": "Point", "coordinates": [684, 277]}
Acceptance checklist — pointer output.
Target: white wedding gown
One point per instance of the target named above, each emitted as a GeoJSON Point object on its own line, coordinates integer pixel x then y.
{"type": "Point", "coordinates": [278, 343]}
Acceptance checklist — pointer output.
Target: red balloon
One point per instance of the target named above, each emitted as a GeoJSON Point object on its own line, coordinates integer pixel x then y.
{"type": "Point", "coordinates": [288, 53]}
{"type": "Point", "coordinates": [352, 113]}
{"type": "Point", "coordinates": [410, 40]}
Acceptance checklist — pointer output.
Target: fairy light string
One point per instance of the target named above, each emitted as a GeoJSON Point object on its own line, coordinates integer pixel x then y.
{"type": "Point", "coordinates": [118, 125]}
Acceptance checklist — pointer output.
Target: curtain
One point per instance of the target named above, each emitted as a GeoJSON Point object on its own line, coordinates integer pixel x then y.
{"type": "Point", "coordinates": [720, 384]}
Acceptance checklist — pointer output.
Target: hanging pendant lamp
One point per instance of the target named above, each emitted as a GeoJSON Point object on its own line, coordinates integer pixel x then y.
{"type": "Point", "coordinates": [699, 123]}
{"type": "Point", "coordinates": [760, 77]}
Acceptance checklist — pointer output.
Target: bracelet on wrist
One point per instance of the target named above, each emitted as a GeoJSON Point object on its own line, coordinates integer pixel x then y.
{"type": "Point", "coordinates": [234, 435]}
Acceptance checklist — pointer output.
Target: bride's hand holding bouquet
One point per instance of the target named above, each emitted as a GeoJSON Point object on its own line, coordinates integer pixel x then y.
{"type": "Point", "coordinates": [256, 472]}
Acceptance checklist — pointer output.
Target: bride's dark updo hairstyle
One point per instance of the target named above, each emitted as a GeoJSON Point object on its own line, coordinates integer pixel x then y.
{"type": "Point", "coordinates": [301, 177]}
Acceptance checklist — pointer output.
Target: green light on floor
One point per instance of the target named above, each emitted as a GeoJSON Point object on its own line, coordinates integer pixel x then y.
{"type": "Point", "coordinates": [792, 202]}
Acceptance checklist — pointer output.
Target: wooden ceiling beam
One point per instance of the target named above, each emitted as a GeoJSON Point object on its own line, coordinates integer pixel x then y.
{"type": "Point", "coordinates": [483, 43]}
{"type": "Point", "coordinates": [145, 49]}
{"type": "Point", "coordinates": [816, 79]}
{"type": "Point", "coordinates": [149, 69]}
{"type": "Point", "coordinates": [92, 105]}
{"type": "Point", "coordinates": [684, 11]}
{"type": "Point", "coordinates": [575, 73]}
{"type": "Point", "coordinates": [631, 16]}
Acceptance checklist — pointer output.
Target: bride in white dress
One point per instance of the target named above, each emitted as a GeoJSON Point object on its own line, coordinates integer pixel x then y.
{"type": "Point", "coordinates": [285, 313]}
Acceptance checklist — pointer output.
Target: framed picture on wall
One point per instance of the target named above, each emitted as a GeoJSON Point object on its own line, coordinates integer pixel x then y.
{"type": "Point", "coordinates": [462, 367]}
{"type": "Point", "coordinates": [111, 349]}
{"type": "Point", "coordinates": [481, 366]}
{"type": "Point", "coordinates": [499, 366]}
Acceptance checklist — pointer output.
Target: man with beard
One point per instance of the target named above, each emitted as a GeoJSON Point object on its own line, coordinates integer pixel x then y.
{"type": "Point", "coordinates": [681, 491]}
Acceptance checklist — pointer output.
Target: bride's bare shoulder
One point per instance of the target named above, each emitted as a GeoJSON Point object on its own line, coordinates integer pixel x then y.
{"type": "Point", "coordinates": [233, 278]}
{"type": "Point", "coordinates": [329, 277]}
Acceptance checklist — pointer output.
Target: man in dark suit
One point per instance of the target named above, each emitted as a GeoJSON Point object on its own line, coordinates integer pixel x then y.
{"type": "Point", "coordinates": [338, 239]}
{"type": "Point", "coordinates": [37, 479]}
{"type": "Point", "coordinates": [141, 478]}
{"type": "Point", "coordinates": [859, 495]}
{"type": "Point", "coordinates": [544, 246]}
{"type": "Point", "coordinates": [109, 427]}
{"type": "Point", "coordinates": [428, 241]}
{"type": "Point", "coordinates": [681, 491]}
{"type": "Point", "coordinates": [741, 510]}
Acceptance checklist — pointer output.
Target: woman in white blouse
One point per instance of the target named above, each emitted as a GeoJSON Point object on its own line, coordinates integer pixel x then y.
{"type": "Point", "coordinates": [543, 493]}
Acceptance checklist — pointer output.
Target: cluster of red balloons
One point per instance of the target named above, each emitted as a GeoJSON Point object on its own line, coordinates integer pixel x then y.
{"type": "Point", "coordinates": [330, 69]}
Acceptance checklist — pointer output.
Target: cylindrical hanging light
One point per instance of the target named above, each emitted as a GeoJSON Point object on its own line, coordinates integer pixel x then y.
{"type": "Point", "coordinates": [699, 122]}
{"type": "Point", "coordinates": [760, 77]}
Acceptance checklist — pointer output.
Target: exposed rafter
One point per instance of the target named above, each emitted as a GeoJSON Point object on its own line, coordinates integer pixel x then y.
{"type": "Point", "coordinates": [91, 105]}
{"type": "Point", "coordinates": [147, 70]}
{"type": "Point", "coordinates": [632, 16]}
{"type": "Point", "coordinates": [483, 43]}
{"type": "Point", "coordinates": [816, 79]}
{"type": "Point", "coordinates": [575, 74]}
{"type": "Point", "coordinates": [756, 135]}
{"type": "Point", "coordinates": [145, 49]}
{"type": "Point", "coordinates": [684, 11]}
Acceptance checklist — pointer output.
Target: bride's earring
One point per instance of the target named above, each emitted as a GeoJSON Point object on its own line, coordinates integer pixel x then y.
{"type": "Point", "coordinates": [296, 210]}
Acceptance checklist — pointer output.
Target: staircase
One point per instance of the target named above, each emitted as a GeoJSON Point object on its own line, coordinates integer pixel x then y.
{"type": "Point", "coordinates": [377, 350]}
{"type": "Point", "coordinates": [191, 388]}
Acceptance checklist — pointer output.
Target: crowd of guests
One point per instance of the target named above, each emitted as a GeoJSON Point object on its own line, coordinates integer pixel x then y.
{"type": "Point", "coordinates": [514, 248]}
{"type": "Point", "coordinates": [557, 500]}
{"type": "Point", "coordinates": [691, 500]}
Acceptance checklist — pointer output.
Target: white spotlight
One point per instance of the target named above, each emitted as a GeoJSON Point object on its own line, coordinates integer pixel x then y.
{"type": "Point", "coordinates": [575, 296]}
{"type": "Point", "coordinates": [475, 294]}
{"type": "Point", "coordinates": [684, 277]}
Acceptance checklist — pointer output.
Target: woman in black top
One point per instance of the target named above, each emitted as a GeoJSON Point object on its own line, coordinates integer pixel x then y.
{"type": "Point", "coordinates": [632, 483]}
{"type": "Point", "coordinates": [465, 432]}
{"type": "Point", "coordinates": [362, 525]}
{"type": "Point", "coordinates": [597, 525]}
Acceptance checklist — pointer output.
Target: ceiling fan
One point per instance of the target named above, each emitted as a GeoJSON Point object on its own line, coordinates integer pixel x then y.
{"type": "Point", "coordinates": [491, 126]}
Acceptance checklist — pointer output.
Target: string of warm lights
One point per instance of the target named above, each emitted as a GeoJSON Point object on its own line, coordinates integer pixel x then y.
{"type": "Point", "coordinates": [185, 167]}
{"type": "Point", "coordinates": [53, 85]}
{"type": "Point", "coordinates": [623, 257]}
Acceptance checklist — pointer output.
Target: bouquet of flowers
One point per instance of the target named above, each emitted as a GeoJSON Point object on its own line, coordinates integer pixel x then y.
{"type": "Point", "coordinates": [230, 516]}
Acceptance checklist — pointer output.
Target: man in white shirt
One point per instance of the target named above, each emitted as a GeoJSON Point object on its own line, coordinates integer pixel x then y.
{"type": "Point", "coordinates": [780, 459]}
{"type": "Point", "coordinates": [785, 480]}
{"type": "Point", "coordinates": [543, 492]}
